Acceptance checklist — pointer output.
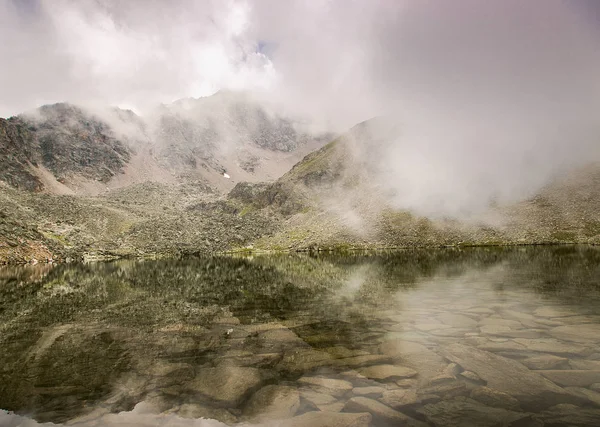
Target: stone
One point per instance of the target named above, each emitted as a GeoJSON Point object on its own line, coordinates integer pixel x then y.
{"type": "Point", "coordinates": [545, 361]}
{"type": "Point", "coordinates": [300, 360]}
{"type": "Point", "coordinates": [427, 327]}
{"type": "Point", "coordinates": [191, 410]}
{"type": "Point", "coordinates": [382, 415]}
{"type": "Point", "coordinates": [549, 311]}
{"type": "Point", "coordinates": [365, 391]}
{"type": "Point", "coordinates": [508, 376]}
{"type": "Point", "coordinates": [384, 372]}
{"type": "Point", "coordinates": [358, 361]}
{"type": "Point", "coordinates": [332, 407]}
{"type": "Point", "coordinates": [272, 402]}
{"type": "Point", "coordinates": [407, 383]}
{"type": "Point", "coordinates": [400, 398]}
{"type": "Point", "coordinates": [570, 415]}
{"type": "Point", "coordinates": [447, 389]}
{"type": "Point", "coordinates": [326, 419]}
{"type": "Point", "coordinates": [498, 321]}
{"type": "Point", "coordinates": [584, 333]}
{"type": "Point", "coordinates": [457, 320]}
{"type": "Point", "coordinates": [591, 395]}
{"type": "Point", "coordinates": [490, 397]}
{"type": "Point", "coordinates": [553, 346]}
{"type": "Point", "coordinates": [226, 383]}
{"type": "Point", "coordinates": [316, 398]}
{"type": "Point", "coordinates": [582, 364]}
{"type": "Point", "coordinates": [416, 356]}
{"type": "Point", "coordinates": [463, 412]}
{"type": "Point", "coordinates": [572, 377]}
{"type": "Point", "coordinates": [472, 376]}
{"type": "Point", "coordinates": [331, 384]}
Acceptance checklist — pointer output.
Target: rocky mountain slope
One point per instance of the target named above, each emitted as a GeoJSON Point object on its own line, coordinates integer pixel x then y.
{"type": "Point", "coordinates": [218, 140]}
{"type": "Point", "coordinates": [330, 200]}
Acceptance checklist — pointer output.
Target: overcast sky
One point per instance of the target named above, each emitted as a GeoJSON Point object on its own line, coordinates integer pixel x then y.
{"type": "Point", "coordinates": [490, 85]}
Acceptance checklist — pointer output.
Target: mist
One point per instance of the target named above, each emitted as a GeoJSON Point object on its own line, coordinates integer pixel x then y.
{"type": "Point", "coordinates": [493, 99]}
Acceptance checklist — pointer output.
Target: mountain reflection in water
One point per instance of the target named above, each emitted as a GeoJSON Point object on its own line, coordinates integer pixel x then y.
{"type": "Point", "coordinates": [486, 337]}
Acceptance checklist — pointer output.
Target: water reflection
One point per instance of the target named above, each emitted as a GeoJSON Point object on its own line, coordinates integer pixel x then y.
{"type": "Point", "coordinates": [411, 338]}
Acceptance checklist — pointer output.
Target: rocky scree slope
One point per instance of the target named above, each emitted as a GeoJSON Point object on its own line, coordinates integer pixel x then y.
{"type": "Point", "coordinates": [333, 199]}
{"type": "Point", "coordinates": [63, 148]}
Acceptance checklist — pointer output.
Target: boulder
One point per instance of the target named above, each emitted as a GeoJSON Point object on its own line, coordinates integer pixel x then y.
{"type": "Point", "coordinates": [226, 384]}
{"type": "Point", "coordinates": [385, 372]}
{"type": "Point", "coordinates": [382, 415]}
{"type": "Point", "coordinates": [572, 377]}
{"type": "Point", "coordinates": [465, 412]}
{"type": "Point", "coordinates": [272, 402]}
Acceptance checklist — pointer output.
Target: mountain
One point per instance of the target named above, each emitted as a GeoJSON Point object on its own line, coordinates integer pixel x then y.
{"type": "Point", "coordinates": [217, 140]}
{"type": "Point", "coordinates": [331, 199]}
{"type": "Point", "coordinates": [337, 197]}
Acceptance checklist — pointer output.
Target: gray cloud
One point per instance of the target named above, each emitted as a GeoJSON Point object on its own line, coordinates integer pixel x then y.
{"type": "Point", "coordinates": [493, 97]}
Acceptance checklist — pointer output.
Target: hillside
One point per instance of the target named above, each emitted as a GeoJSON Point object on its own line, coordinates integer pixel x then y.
{"type": "Point", "coordinates": [63, 149]}
{"type": "Point", "coordinates": [330, 200]}
{"type": "Point", "coordinates": [333, 198]}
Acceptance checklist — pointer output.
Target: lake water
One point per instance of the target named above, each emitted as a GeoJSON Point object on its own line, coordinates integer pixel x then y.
{"type": "Point", "coordinates": [473, 337]}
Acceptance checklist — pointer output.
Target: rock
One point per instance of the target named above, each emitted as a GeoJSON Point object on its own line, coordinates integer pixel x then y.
{"type": "Point", "coordinates": [382, 415]}
{"type": "Point", "coordinates": [316, 398]}
{"type": "Point", "coordinates": [447, 389]}
{"type": "Point", "coordinates": [191, 410]}
{"type": "Point", "coordinates": [591, 395]}
{"type": "Point", "coordinates": [553, 346]}
{"type": "Point", "coordinates": [331, 384]}
{"type": "Point", "coordinates": [508, 376]}
{"type": "Point", "coordinates": [495, 398]}
{"type": "Point", "coordinates": [416, 356]}
{"type": "Point", "coordinates": [472, 376]}
{"type": "Point", "coordinates": [595, 387]}
{"type": "Point", "coordinates": [400, 398]}
{"type": "Point", "coordinates": [332, 407]}
{"type": "Point", "coordinates": [499, 321]}
{"type": "Point", "coordinates": [545, 361]}
{"type": "Point", "coordinates": [570, 415]}
{"type": "Point", "coordinates": [300, 360]}
{"type": "Point", "coordinates": [457, 320]}
{"type": "Point", "coordinates": [592, 365]}
{"type": "Point", "coordinates": [384, 372]}
{"type": "Point", "coordinates": [226, 384]}
{"type": "Point", "coordinates": [550, 311]}
{"type": "Point", "coordinates": [358, 361]}
{"type": "Point", "coordinates": [467, 412]}
{"type": "Point", "coordinates": [407, 383]}
{"type": "Point", "coordinates": [272, 402]}
{"type": "Point", "coordinates": [365, 391]}
{"type": "Point", "coordinates": [584, 333]}
{"type": "Point", "coordinates": [427, 327]}
{"type": "Point", "coordinates": [572, 377]}
{"type": "Point", "coordinates": [326, 419]}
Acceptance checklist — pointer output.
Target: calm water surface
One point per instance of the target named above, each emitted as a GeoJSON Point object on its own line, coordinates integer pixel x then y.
{"type": "Point", "coordinates": [475, 337]}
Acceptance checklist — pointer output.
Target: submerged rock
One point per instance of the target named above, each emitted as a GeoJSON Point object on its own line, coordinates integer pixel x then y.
{"type": "Point", "coordinates": [467, 412]}
{"type": "Point", "coordinates": [545, 361]}
{"type": "Point", "coordinates": [384, 372]}
{"type": "Point", "coordinates": [326, 419]}
{"type": "Point", "coordinates": [272, 402]}
{"type": "Point", "coordinates": [572, 377]}
{"type": "Point", "coordinates": [490, 397]}
{"type": "Point", "coordinates": [382, 415]}
{"type": "Point", "coordinates": [508, 376]}
{"type": "Point", "coordinates": [226, 384]}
